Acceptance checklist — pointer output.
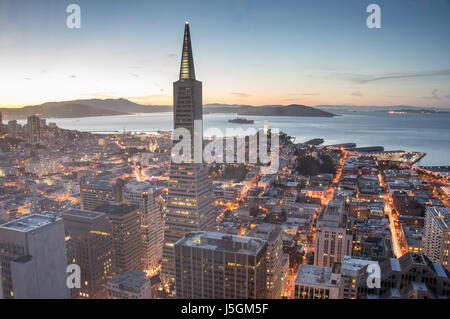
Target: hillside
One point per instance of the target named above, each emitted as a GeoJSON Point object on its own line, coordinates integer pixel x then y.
{"type": "Point", "coordinates": [96, 107]}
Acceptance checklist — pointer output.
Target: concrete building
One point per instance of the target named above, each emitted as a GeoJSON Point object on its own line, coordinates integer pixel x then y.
{"type": "Point", "coordinates": [274, 257]}
{"type": "Point", "coordinates": [317, 282]}
{"type": "Point", "coordinates": [190, 203]}
{"type": "Point", "coordinates": [33, 258]}
{"type": "Point", "coordinates": [92, 242]}
{"type": "Point", "coordinates": [98, 192]}
{"type": "Point", "coordinates": [436, 238]}
{"type": "Point", "coordinates": [130, 285]}
{"type": "Point", "coordinates": [142, 194]}
{"type": "Point", "coordinates": [211, 265]}
{"type": "Point", "coordinates": [333, 235]}
{"type": "Point", "coordinates": [127, 235]}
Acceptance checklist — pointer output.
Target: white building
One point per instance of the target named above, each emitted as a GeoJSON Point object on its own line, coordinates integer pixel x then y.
{"type": "Point", "coordinates": [33, 258]}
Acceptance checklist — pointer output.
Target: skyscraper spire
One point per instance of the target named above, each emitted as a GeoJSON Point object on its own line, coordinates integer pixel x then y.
{"type": "Point", "coordinates": [187, 60]}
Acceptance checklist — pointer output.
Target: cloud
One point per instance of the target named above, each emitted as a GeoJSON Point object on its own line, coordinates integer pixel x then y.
{"type": "Point", "coordinates": [240, 94]}
{"type": "Point", "coordinates": [172, 55]}
{"type": "Point", "coordinates": [447, 96]}
{"type": "Point", "coordinates": [146, 97]}
{"type": "Point", "coordinates": [434, 96]}
{"type": "Point", "coordinates": [358, 94]}
{"type": "Point", "coordinates": [303, 94]}
{"type": "Point", "coordinates": [101, 95]}
{"type": "Point", "coordinates": [395, 96]}
{"type": "Point", "coordinates": [364, 79]}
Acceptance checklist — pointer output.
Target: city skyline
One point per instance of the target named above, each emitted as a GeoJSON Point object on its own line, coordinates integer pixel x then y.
{"type": "Point", "coordinates": [316, 205]}
{"type": "Point", "coordinates": [306, 53]}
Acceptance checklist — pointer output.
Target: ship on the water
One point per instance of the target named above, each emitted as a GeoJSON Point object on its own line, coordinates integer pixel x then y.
{"type": "Point", "coordinates": [241, 120]}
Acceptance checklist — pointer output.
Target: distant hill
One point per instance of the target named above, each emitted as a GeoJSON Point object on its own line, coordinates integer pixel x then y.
{"type": "Point", "coordinates": [97, 107]}
{"type": "Point", "coordinates": [368, 108]}
{"type": "Point", "coordinates": [268, 110]}
{"type": "Point", "coordinates": [68, 110]}
{"type": "Point", "coordinates": [82, 108]}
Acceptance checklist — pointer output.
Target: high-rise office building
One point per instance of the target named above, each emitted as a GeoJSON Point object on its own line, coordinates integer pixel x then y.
{"type": "Point", "coordinates": [274, 257]}
{"type": "Point", "coordinates": [127, 235]}
{"type": "Point", "coordinates": [333, 235]}
{"type": "Point", "coordinates": [33, 258]}
{"type": "Point", "coordinates": [143, 194]}
{"type": "Point", "coordinates": [436, 237]}
{"type": "Point", "coordinates": [34, 129]}
{"type": "Point", "coordinates": [92, 244]}
{"type": "Point", "coordinates": [211, 265]}
{"type": "Point", "coordinates": [98, 192]}
{"type": "Point", "coordinates": [189, 204]}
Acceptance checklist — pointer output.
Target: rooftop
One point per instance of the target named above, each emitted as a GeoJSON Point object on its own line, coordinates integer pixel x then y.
{"type": "Point", "coordinates": [313, 275]}
{"type": "Point", "coordinates": [138, 186]}
{"type": "Point", "coordinates": [131, 281]}
{"type": "Point", "coordinates": [114, 208]}
{"type": "Point", "coordinates": [354, 264]}
{"type": "Point", "coordinates": [441, 216]}
{"type": "Point", "coordinates": [83, 213]}
{"type": "Point", "coordinates": [224, 242]}
{"type": "Point", "coordinates": [30, 222]}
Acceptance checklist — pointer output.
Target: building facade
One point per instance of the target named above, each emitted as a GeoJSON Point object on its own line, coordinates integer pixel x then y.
{"type": "Point", "coordinates": [127, 235]}
{"type": "Point", "coordinates": [90, 235]}
{"type": "Point", "coordinates": [98, 192]}
{"type": "Point", "coordinates": [142, 194]}
{"type": "Point", "coordinates": [436, 237]}
{"type": "Point", "coordinates": [333, 235]}
{"type": "Point", "coordinates": [274, 257]}
{"type": "Point", "coordinates": [211, 265]}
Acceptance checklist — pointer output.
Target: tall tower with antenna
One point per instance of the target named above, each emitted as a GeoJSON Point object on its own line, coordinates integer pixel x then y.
{"type": "Point", "coordinates": [189, 202]}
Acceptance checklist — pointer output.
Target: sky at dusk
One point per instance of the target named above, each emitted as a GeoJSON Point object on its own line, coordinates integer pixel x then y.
{"type": "Point", "coordinates": [245, 51]}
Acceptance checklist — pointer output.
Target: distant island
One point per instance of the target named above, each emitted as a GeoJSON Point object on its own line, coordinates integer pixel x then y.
{"type": "Point", "coordinates": [241, 120]}
{"type": "Point", "coordinates": [108, 107]}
